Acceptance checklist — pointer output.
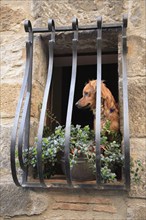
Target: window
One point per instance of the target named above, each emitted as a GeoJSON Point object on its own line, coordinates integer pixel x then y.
{"type": "Point", "coordinates": [69, 67]}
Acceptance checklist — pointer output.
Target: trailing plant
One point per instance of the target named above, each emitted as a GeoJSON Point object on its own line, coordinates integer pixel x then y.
{"type": "Point", "coordinates": [82, 144]}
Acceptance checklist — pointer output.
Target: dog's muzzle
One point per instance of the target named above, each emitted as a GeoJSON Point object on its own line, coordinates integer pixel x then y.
{"type": "Point", "coordinates": [82, 107]}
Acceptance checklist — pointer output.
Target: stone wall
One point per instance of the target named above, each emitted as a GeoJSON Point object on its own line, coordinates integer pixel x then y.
{"type": "Point", "coordinates": [83, 204]}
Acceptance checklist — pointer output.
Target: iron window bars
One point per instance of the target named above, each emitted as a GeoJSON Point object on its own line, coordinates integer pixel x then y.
{"type": "Point", "coordinates": [21, 130]}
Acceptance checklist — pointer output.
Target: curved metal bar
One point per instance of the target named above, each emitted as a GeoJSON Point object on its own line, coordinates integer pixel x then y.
{"type": "Point", "coordinates": [29, 90]}
{"type": "Point", "coordinates": [51, 27]}
{"type": "Point", "coordinates": [44, 105]}
{"type": "Point", "coordinates": [125, 104]}
{"type": "Point", "coordinates": [27, 26]}
{"type": "Point", "coordinates": [17, 115]}
{"type": "Point", "coordinates": [98, 101]}
{"type": "Point", "coordinates": [21, 133]}
{"type": "Point", "coordinates": [70, 101]}
{"type": "Point", "coordinates": [19, 105]}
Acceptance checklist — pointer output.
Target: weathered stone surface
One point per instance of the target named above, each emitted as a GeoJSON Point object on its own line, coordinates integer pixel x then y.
{"type": "Point", "coordinates": [5, 172]}
{"type": "Point", "coordinates": [136, 56]}
{"type": "Point", "coordinates": [43, 203]}
{"type": "Point", "coordinates": [136, 209]}
{"type": "Point", "coordinates": [84, 205]}
{"type": "Point", "coordinates": [40, 61]}
{"type": "Point", "coordinates": [11, 18]}
{"type": "Point", "coordinates": [138, 152]}
{"type": "Point", "coordinates": [12, 57]}
{"type": "Point", "coordinates": [13, 14]}
{"type": "Point", "coordinates": [10, 95]}
{"type": "Point", "coordinates": [136, 17]}
{"type": "Point", "coordinates": [37, 99]}
{"type": "Point", "coordinates": [9, 98]}
{"type": "Point", "coordinates": [13, 36]}
{"type": "Point", "coordinates": [39, 204]}
{"type": "Point", "coordinates": [73, 207]}
{"type": "Point", "coordinates": [17, 201]}
{"type": "Point", "coordinates": [82, 199]}
{"type": "Point", "coordinates": [137, 106]}
{"type": "Point", "coordinates": [85, 11]}
{"type": "Point", "coordinates": [6, 132]}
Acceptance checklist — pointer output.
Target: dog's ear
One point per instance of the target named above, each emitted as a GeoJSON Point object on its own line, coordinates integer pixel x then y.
{"type": "Point", "coordinates": [107, 96]}
{"type": "Point", "coordinates": [104, 91]}
{"type": "Point", "coordinates": [93, 84]}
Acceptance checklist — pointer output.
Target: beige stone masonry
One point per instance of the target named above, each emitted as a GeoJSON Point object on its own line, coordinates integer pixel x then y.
{"type": "Point", "coordinates": [137, 106]}
{"type": "Point", "coordinates": [38, 204]}
{"type": "Point", "coordinates": [10, 96]}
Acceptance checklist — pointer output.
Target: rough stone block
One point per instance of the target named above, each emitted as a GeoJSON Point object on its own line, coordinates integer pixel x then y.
{"type": "Point", "coordinates": [18, 201]}
{"type": "Point", "coordinates": [138, 152]}
{"type": "Point", "coordinates": [104, 208]}
{"type": "Point", "coordinates": [12, 57]}
{"type": "Point", "coordinates": [137, 106]}
{"type": "Point", "coordinates": [5, 172]}
{"type": "Point", "coordinates": [136, 209]}
{"type": "Point", "coordinates": [9, 101]}
{"type": "Point", "coordinates": [11, 18]}
{"type": "Point", "coordinates": [40, 61]}
{"type": "Point", "coordinates": [74, 207]}
{"type": "Point", "coordinates": [6, 132]}
{"type": "Point", "coordinates": [136, 56]}
{"type": "Point", "coordinates": [82, 199]}
{"type": "Point", "coordinates": [9, 98]}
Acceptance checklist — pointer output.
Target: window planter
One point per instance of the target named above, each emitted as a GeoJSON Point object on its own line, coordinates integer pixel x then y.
{"type": "Point", "coordinates": [81, 171]}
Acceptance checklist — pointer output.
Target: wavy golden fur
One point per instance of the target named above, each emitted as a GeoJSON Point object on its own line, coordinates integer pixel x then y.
{"type": "Point", "coordinates": [109, 110]}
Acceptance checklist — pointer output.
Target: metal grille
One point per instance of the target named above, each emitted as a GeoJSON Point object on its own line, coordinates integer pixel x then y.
{"type": "Point", "coordinates": [20, 133]}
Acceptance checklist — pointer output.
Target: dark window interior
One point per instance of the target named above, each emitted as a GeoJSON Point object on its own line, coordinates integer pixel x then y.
{"type": "Point", "coordinates": [86, 70]}
{"type": "Point", "coordinates": [61, 85]}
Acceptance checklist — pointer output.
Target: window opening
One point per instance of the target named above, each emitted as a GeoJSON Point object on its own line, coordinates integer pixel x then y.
{"type": "Point", "coordinates": [84, 74]}
{"type": "Point", "coordinates": [68, 114]}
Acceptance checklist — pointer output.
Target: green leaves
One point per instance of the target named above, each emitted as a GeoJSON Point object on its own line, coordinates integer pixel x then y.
{"type": "Point", "coordinates": [136, 167]}
{"type": "Point", "coordinates": [82, 144]}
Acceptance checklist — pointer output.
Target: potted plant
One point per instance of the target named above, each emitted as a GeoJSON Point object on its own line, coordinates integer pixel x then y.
{"type": "Point", "coordinates": [82, 153]}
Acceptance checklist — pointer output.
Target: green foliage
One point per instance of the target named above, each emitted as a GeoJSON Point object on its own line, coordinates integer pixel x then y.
{"type": "Point", "coordinates": [82, 144]}
{"type": "Point", "coordinates": [136, 170]}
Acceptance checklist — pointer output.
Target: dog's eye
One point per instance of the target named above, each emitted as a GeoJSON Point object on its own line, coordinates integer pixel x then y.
{"type": "Point", "coordinates": [86, 94]}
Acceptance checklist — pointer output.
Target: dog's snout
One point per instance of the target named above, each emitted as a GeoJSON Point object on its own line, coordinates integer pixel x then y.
{"type": "Point", "coordinates": [77, 103]}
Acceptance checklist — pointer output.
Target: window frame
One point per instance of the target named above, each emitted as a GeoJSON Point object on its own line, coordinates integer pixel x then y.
{"type": "Point", "coordinates": [25, 96]}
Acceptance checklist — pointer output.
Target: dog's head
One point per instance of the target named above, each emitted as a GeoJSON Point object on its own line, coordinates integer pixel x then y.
{"type": "Point", "coordinates": [89, 96]}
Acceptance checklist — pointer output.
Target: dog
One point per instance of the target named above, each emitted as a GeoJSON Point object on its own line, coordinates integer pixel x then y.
{"type": "Point", "coordinates": [109, 109]}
